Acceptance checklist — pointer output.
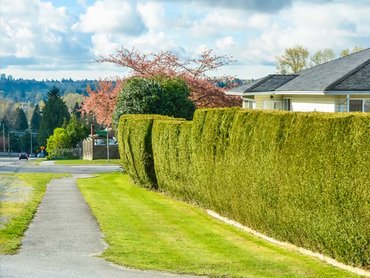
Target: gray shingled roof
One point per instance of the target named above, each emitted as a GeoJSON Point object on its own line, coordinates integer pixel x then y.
{"type": "Point", "coordinates": [349, 73]}
{"type": "Point", "coordinates": [266, 84]}
{"type": "Point", "coordinates": [320, 77]}
{"type": "Point", "coordinates": [271, 83]}
{"type": "Point", "coordinates": [246, 87]}
{"type": "Point", "coordinates": [357, 81]}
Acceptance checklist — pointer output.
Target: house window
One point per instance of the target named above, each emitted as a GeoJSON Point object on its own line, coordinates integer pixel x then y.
{"type": "Point", "coordinates": [366, 105]}
{"type": "Point", "coordinates": [272, 104]}
{"type": "Point", "coordinates": [249, 103]}
{"type": "Point", "coordinates": [359, 105]}
{"type": "Point", "coordinates": [355, 105]}
{"type": "Point", "coordinates": [287, 104]}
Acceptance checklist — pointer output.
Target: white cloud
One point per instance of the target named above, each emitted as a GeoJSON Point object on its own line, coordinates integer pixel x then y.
{"type": "Point", "coordinates": [28, 27]}
{"type": "Point", "coordinates": [315, 26]}
{"type": "Point", "coordinates": [82, 3]}
{"type": "Point", "coordinates": [105, 44]}
{"type": "Point", "coordinates": [218, 21]}
{"type": "Point", "coordinates": [153, 15]}
{"type": "Point", "coordinates": [48, 36]}
{"type": "Point", "coordinates": [225, 43]}
{"type": "Point", "coordinates": [110, 16]}
{"type": "Point", "coordinates": [228, 21]}
{"type": "Point", "coordinates": [265, 6]}
{"type": "Point", "coordinates": [52, 17]}
{"type": "Point", "coordinates": [258, 21]}
{"type": "Point", "coordinates": [153, 42]}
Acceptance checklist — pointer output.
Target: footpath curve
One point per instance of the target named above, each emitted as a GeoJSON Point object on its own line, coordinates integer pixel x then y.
{"type": "Point", "coordinates": [63, 240]}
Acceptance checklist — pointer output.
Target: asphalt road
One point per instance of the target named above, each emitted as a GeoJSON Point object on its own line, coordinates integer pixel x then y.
{"type": "Point", "coordinates": [14, 165]}
{"type": "Point", "coordinates": [63, 239]}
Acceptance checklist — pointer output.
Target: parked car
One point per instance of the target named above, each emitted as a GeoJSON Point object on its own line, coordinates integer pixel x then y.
{"type": "Point", "coordinates": [23, 156]}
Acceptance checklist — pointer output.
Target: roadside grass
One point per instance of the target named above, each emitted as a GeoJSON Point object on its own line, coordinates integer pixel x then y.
{"type": "Point", "coordinates": [88, 162]}
{"type": "Point", "coordinates": [149, 230]}
{"type": "Point", "coordinates": [20, 197]}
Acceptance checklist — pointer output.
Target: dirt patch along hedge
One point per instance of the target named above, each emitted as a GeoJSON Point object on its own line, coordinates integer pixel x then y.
{"type": "Point", "coordinates": [299, 177]}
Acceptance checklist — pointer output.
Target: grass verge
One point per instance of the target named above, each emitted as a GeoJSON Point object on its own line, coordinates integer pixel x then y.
{"type": "Point", "coordinates": [88, 162]}
{"type": "Point", "coordinates": [20, 208]}
{"type": "Point", "coordinates": [148, 230]}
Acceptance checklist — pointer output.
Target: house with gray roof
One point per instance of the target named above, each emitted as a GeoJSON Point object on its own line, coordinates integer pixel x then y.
{"type": "Point", "coordinates": [341, 85]}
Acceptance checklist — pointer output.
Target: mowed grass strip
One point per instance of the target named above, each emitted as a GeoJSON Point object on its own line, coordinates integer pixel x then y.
{"type": "Point", "coordinates": [88, 162]}
{"type": "Point", "coordinates": [21, 211]}
{"type": "Point", "coordinates": [148, 230]}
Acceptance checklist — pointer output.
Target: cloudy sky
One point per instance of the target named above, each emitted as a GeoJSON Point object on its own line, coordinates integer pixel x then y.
{"type": "Point", "coordinates": [60, 38]}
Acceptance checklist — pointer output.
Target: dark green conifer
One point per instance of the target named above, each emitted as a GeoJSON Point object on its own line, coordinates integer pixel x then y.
{"type": "Point", "coordinates": [36, 118]}
{"type": "Point", "coordinates": [20, 120]}
{"type": "Point", "coordinates": [53, 115]}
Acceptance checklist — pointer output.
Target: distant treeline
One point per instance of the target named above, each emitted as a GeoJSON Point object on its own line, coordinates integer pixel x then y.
{"type": "Point", "coordinates": [23, 90]}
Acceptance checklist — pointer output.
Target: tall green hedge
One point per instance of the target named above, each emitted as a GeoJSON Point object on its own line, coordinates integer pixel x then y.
{"type": "Point", "coordinates": [172, 157]}
{"type": "Point", "coordinates": [135, 147]}
{"type": "Point", "coordinates": [300, 177]}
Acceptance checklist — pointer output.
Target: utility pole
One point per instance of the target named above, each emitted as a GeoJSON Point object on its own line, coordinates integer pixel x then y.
{"type": "Point", "coordinates": [3, 126]}
{"type": "Point", "coordinates": [108, 144]}
{"type": "Point", "coordinates": [31, 141]}
{"type": "Point", "coordinates": [3, 137]}
{"type": "Point", "coordinates": [9, 143]}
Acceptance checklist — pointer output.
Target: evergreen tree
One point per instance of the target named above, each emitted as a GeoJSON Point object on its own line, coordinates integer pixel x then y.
{"type": "Point", "coordinates": [53, 115]}
{"type": "Point", "coordinates": [20, 120]}
{"type": "Point", "coordinates": [6, 123]}
{"type": "Point", "coordinates": [36, 118]}
{"type": "Point", "coordinates": [76, 110]}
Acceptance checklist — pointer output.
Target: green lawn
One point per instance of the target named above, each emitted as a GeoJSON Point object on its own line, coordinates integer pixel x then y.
{"type": "Point", "coordinates": [88, 162]}
{"type": "Point", "coordinates": [148, 230]}
{"type": "Point", "coordinates": [20, 197]}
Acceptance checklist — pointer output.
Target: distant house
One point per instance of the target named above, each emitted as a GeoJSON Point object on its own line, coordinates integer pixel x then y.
{"type": "Point", "coordinates": [337, 86]}
{"type": "Point", "coordinates": [96, 147]}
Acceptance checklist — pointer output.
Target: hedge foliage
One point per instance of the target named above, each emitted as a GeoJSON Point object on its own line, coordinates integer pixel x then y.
{"type": "Point", "coordinates": [172, 157]}
{"type": "Point", "coordinates": [299, 177]}
{"type": "Point", "coordinates": [135, 147]}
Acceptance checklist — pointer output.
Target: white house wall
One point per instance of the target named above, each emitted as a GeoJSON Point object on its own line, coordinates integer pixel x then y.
{"type": "Point", "coordinates": [311, 106]}
{"type": "Point", "coordinates": [303, 103]}
{"type": "Point", "coordinates": [312, 103]}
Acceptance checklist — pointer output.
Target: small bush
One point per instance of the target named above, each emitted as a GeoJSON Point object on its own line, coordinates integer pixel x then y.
{"type": "Point", "coordinates": [57, 143]}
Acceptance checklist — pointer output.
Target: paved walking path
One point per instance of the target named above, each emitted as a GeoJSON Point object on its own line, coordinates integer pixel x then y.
{"type": "Point", "coordinates": [62, 239]}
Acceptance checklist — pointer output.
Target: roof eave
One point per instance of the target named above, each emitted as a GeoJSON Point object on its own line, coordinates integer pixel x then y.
{"type": "Point", "coordinates": [258, 93]}
{"type": "Point", "coordinates": [232, 93]}
{"type": "Point", "coordinates": [299, 92]}
{"type": "Point", "coordinates": [365, 92]}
